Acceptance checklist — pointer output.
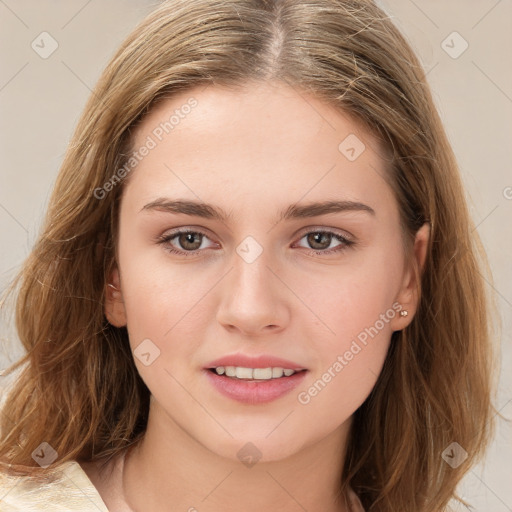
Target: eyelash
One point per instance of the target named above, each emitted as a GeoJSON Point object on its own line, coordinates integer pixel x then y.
{"type": "Point", "coordinates": [165, 239]}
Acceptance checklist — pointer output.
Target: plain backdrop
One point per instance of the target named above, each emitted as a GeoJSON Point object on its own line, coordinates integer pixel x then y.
{"type": "Point", "coordinates": [469, 72]}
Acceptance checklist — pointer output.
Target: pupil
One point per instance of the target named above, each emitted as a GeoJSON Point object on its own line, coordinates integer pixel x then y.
{"type": "Point", "coordinates": [188, 238]}
{"type": "Point", "coordinates": [316, 237]}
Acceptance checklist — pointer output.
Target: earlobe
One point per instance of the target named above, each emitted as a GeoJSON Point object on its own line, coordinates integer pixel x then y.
{"type": "Point", "coordinates": [114, 304]}
{"type": "Point", "coordinates": [408, 296]}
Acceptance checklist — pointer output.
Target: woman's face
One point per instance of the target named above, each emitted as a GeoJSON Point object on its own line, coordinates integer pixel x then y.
{"type": "Point", "coordinates": [263, 280]}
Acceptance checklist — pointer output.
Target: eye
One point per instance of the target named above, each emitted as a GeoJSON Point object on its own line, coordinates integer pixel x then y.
{"type": "Point", "coordinates": [189, 242]}
{"type": "Point", "coordinates": [320, 240]}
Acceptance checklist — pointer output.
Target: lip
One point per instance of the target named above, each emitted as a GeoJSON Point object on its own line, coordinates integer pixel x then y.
{"type": "Point", "coordinates": [254, 391]}
{"type": "Point", "coordinates": [261, 361]}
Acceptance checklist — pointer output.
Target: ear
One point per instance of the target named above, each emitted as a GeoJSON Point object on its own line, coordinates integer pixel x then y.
{"type": "Point", "coordinates": [408, 296]}
{"type": "Point", "coordinates": [114, 304]}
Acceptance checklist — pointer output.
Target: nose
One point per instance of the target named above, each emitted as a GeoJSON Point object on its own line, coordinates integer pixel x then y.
{"type": "Point", "coordinates": [254, 299]}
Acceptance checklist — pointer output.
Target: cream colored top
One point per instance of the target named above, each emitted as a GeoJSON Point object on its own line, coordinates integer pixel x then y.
{"type": "Point", "coordinates": [70, 490]}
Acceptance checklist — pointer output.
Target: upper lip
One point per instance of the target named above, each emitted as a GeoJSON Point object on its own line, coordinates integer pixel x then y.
{"type": "Point", "coordinates": [261, 361]}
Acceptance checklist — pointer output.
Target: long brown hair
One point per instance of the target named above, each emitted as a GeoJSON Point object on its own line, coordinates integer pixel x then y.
{"type": "Point", "coordinates": [79, 389]}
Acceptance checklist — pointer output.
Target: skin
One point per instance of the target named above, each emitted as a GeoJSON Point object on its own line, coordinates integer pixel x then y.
{"type": "Point", "coordinates": [252, 152]}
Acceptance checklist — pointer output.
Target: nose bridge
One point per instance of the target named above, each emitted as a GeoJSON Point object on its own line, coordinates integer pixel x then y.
{"type": "Point", "coordinates": [251, 272]}
{"type": "Point", "coordinates": [251, 277]}
{"type": "Point", "coordinates": [252, 298]}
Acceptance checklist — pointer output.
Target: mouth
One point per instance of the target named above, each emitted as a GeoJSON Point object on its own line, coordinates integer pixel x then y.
{"type": "Point", "coordinates": [254, 386]}
{"type": "Point", "coordinates": [255, 374]}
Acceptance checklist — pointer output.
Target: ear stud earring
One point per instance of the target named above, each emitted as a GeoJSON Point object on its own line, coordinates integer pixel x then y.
{"type": "Point", "coordinates": [403, 312]}
{"type": "Point", "coordinates": [115, 291]}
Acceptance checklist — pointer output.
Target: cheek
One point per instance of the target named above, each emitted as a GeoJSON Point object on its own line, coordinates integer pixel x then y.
{"type": "Point", "coordinates": [167, 306]}
{"type": "Point", "coordinates": [352, 298]}
{"type": "Point", "coordinates": [352, 333]}
{"type": "Point", "coordinates": [158, 291]}
{"type": "Point", "coordinates": [349, 360]}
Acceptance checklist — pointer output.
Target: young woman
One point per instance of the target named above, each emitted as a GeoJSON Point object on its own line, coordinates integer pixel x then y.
{"type": "Point", "coordinates": [258, 286]}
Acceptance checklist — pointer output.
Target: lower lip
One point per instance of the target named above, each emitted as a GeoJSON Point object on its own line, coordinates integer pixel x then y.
{"type": "Point", "coordinates": [252, 391]}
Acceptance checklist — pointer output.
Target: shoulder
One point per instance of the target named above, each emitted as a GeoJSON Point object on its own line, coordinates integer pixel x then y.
{"type": "Point", "coordinates": [67, 488]}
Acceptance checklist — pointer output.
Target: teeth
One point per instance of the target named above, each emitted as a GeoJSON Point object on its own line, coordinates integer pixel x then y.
{"type": "Point", "coordinates": [277, 372]}
{"type": "Point", "coordinates": [239, 372]}
{"type": "Point", "coordinates": [243, 373]}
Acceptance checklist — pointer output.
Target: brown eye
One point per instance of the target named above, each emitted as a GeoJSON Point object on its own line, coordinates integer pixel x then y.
{"type": "Point", "coordinates": [320, 240]}
{"type": "Point", "coordinates": [184, 242]}
{"type": "Point", "coordinates": [189, 241]}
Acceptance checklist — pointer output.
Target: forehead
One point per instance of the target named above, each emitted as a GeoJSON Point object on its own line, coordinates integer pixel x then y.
{"type": "Point", "coordinates": [260, 141]}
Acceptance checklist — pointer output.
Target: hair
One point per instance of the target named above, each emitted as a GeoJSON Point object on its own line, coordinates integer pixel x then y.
{"type": "Point", "coordinates": [79, 389]}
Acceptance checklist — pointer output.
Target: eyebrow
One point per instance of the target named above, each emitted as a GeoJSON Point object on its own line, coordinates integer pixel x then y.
{"type": "Point", "coordinates": [294, 211]}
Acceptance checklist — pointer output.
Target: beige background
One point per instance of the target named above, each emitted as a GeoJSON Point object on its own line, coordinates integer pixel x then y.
{"type": "Point", "coordinates": [41, 100]}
